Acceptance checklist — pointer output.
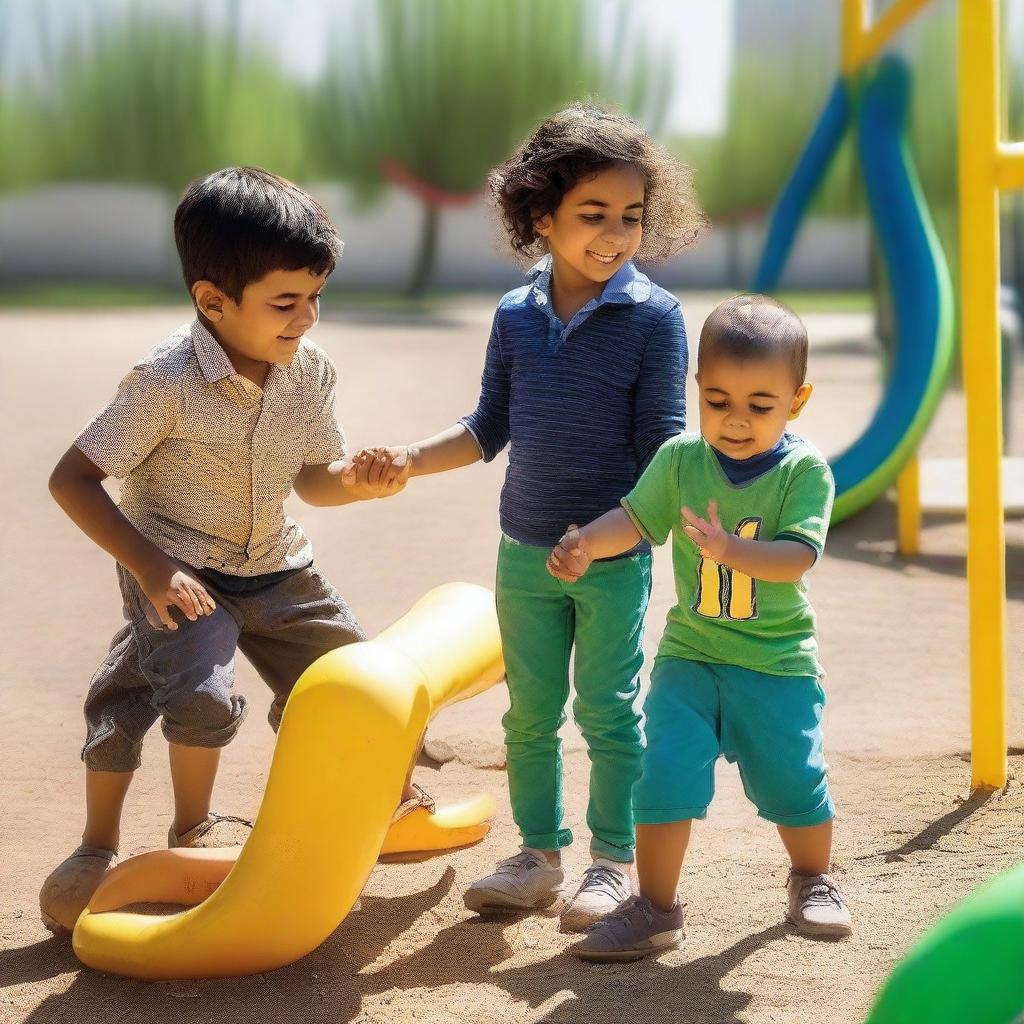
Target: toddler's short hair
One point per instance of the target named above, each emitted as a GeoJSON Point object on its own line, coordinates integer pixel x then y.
{"type": "Point", "coordinates": [751, 327]}
{"type": "Point", "coordinates": [577, 143]}
{"type": "Point", "coordinates": [238, 224]}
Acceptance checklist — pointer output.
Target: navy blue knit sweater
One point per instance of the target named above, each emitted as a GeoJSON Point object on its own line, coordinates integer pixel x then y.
{"type": "Point", "coordinates": [585, 404]}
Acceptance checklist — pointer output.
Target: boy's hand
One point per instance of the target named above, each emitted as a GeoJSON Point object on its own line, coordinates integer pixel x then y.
{"type": "Point", "coordinates": [710, 537]}
{"type": "Point", "coordinates": [570, 559]}
{"type": "Point", "coordinates": [167, 586]}
{"type": "Point", "coordinates": [373, 472]}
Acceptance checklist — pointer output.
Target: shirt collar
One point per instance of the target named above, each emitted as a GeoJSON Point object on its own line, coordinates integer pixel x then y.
{"type": "Point", "coordinates": [213, 360]}
{"type": "Point", "coordinates": [627, 286]}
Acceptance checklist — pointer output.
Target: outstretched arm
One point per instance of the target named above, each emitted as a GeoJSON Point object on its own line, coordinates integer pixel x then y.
{"type": "Point", "coordinates": [451, 449]}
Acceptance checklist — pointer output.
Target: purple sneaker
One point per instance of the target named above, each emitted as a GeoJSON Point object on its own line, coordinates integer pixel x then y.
{"type": "Point", "coordinates": [636, 929]}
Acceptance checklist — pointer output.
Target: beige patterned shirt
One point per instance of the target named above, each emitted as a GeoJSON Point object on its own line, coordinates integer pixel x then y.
{"type": "Point", "coordinates": [207, 457]}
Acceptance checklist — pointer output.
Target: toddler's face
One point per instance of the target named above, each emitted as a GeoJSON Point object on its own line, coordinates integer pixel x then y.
{"type": "Point", "coordinates": [596, 227]}
{"type": "Point", "coordinates": [745, 405]}
{"type": "Point", "coordinates": [274, 314]}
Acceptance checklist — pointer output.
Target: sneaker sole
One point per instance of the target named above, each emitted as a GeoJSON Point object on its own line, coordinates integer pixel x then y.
{"type": "Point", "coordinates": [487, 901]}
{"type": "Point", "coordinates": [637, 953]}
{"type": "Point", "coordinates": [820, 931]}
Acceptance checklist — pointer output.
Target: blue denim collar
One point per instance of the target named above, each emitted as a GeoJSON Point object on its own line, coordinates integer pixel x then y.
{"type": "Point", "coordinates": [627, 287]}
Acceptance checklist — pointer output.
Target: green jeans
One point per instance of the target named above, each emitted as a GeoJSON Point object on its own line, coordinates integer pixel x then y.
{"type": "Point", "coordinates": [540, 619]}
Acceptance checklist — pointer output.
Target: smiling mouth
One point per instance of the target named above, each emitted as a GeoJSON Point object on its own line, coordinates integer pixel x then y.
{"type": "Point", "coordinates": [732, 440]}
{"type": "Point", "coordinates": [604, 257]}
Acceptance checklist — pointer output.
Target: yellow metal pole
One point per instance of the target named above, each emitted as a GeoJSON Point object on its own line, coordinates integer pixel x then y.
{"type": "Point", "coordinates": [908, 507]}
{"type": "Point", "coordinates": [888, 24]}
{"type": "Point", "coordinates": [979, 271]}
{"type": "Point", "coordinates": [855, 19]}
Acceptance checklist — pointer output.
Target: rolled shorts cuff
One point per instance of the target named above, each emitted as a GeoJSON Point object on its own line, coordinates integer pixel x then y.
{"type": "Point", "coordinates": [619, 854]}
{"type": "Point", "coordinates": [112, 751]}
{"type": "Point", "coordinates": [665, 815]}
{"type": "Point", "coordinates": [825, 811]}
{"type": "Point", "coordinates": [203, 736]}
{"type": "Point", "coordinates": [548, 840]}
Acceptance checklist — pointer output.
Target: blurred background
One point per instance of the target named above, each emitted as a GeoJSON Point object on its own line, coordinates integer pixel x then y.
{"type": "Point", "coordinates": [392, 111]}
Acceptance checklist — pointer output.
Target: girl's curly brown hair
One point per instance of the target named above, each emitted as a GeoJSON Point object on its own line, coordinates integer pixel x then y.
{"type": "Point", "coordinates": [574, 145]}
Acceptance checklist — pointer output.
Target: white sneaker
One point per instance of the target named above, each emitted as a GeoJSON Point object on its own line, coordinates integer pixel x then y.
{"type": "Point", "coordinates": [606, 885]}
{"type": "Point", "coordinates": [817, 907]}
{"type": "Point", "coordinates": [523, 882]}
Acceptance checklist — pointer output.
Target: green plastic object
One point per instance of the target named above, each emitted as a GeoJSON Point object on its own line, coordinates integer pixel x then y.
{"type": "Point", "coordinates": [968, 968]}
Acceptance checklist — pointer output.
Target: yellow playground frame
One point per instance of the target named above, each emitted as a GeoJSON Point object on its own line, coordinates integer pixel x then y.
{"type": "Point", "coordinates": [987, 166]}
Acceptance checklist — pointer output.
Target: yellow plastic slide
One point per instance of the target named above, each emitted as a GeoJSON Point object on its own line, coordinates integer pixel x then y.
{"type": "Point", "coordinates": [349, 733]}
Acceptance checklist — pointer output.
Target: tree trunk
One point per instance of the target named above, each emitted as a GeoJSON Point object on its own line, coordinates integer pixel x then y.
{"type": "Point", "coordinates": [423, 268]}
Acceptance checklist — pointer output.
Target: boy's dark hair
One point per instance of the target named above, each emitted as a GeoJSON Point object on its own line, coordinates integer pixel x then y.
{"type": "Point", "coordinates": [238, 224]}
{"type": "Point", "coordinates": [751, 327]}
{"type": "Point", "coordinates": [577, 143]}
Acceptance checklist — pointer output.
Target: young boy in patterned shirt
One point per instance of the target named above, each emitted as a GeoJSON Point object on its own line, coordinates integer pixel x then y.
{"type": "Point", "coordinates": [209, 433]}
{"type": "Point", "coordinates": [737, 671]}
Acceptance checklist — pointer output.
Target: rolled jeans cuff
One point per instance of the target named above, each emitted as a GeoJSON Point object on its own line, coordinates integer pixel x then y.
{"type": "Point", "coordinates": [548, 840]}
{"type": "Point", "coordinates": [204, 736]}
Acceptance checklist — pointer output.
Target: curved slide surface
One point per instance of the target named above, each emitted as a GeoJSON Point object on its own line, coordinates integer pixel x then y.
{"type": "Point", "coordinates": [916, 267]}
{"type": "Point", "coordinates": [349, 732]}
{"type": "Point", "coordinates": [967, 967]}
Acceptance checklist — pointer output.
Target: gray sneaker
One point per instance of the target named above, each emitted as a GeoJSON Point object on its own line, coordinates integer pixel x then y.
{"type": "Point", "coordinates": [636, 929]}
{"type": "Point", "coordinates": [523, 882]}
{"type": "Point", "coordinates": [817, 907]}
{"type": "Point", "coordinates": [606, 885]}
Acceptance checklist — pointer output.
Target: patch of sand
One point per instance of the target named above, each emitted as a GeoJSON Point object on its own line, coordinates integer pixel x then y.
{"type": "Point", "coordinates": [909, 843]}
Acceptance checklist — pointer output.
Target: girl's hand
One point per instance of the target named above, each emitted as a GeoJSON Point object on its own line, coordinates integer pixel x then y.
{"type": "Point", "coordinates": [570, 559]}
{"type": "Point", "coordinates": [398, 459]}
{"type": "Point", "coordinates": [373, 472]}
{"type": "Point", "coordinates": [710, 537]}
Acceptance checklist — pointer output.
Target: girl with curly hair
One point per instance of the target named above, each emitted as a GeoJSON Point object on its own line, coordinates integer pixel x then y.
{"type": "Point", "coordinates": [584, 379]}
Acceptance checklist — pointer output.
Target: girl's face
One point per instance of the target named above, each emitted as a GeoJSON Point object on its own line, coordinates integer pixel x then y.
{"type": "Point", "coordinates": [596, 227]}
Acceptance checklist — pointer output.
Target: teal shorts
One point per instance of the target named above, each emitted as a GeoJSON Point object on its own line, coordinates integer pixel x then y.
{"type": "Point", "coordinates": [768, 725]}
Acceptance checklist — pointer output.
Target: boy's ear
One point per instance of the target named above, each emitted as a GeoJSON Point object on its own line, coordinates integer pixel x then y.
{"type": "Point", "coordinates": [542, 225]}
{"type": "Point", "coordinates": [800, 399]}
{"type": "Point", "coordinates": [209, 300]}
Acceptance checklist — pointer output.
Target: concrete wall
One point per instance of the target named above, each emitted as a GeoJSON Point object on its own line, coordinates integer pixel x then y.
{"type": "Point", "coordinates": [123, 233]}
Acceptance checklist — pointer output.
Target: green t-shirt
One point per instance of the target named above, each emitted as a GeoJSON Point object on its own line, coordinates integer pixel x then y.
{"type": "Point", "coordinates": [723, 616]}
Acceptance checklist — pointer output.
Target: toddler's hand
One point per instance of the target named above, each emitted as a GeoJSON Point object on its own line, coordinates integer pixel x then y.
{"type": "Point", "coordinates": [569, 560]}
{"type": "Point", "coordinates": [710, 537]}
{"type": "Point", "coordinates": [167, 586]}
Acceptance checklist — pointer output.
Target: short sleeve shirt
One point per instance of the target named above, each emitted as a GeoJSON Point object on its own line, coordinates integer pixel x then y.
{"type": "Point", "coordinates": [723, 616]}
{"type": "Point", "coordinates": [207, 458]}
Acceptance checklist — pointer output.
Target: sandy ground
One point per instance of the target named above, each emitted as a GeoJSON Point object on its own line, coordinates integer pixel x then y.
{"type": "Point", "coordinates": [909, 841]}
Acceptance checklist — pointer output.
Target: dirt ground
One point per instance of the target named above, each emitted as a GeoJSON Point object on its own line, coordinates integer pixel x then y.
{"type": "Point", "coordinates": [894, 632]}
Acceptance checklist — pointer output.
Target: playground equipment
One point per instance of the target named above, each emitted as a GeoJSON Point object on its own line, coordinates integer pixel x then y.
{"type": "Point", "coordinates": [349, 733]}
{"type": "Point", "coordinates": [878, 98]}
{"type": "Point", "coordinates": [886, 452]}
{"type": "Point", "coordinates": [967, 967]}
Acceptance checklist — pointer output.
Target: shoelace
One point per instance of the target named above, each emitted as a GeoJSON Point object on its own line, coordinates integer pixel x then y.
{"type": "Point", "coordinates": [625, 912]}
{"type": "Point", "coordinates": [229, 817]}
{"type": "Point", "coordinates": [597, 876]}
{"type": "Point", "coordinates": [510, 865]}
{"type": "Point", "coordinates": [820, 891]}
